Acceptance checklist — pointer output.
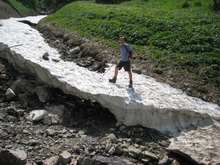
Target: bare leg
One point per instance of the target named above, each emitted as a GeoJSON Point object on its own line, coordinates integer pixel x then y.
{"type": "Point", "coordinates": [130, 75]}
{"type": "Point", "coordinates": [116, 72]}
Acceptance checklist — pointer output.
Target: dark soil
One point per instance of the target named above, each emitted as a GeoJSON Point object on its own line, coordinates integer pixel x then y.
{"type": "Point", "coordinates": [6, 11]}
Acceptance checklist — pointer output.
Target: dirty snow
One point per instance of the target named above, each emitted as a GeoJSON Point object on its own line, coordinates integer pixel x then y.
{"type": "Point", "coordinates": [151, 104]}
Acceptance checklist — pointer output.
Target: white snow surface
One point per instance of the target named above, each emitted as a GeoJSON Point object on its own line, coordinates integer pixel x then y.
{"type": "Point", "coordinates": [152, 104]}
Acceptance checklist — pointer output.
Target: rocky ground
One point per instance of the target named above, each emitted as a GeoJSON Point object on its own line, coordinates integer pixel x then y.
{"type": "Point", "coordinates": [6, 11]}
{"type": "Point", "coordinates": [72, 131]}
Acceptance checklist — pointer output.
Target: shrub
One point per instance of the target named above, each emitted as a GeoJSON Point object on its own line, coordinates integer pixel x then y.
{"type": "Point", "coordinates": [216, 5]}
{"type": "Point", "coordinates": [185, 5]}
{"type": "Point", "coordinates": [198, 4]}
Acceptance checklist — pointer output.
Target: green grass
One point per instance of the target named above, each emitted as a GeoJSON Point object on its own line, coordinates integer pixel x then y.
{"type": "Point", "coordinates": [21, 8]}
{"type": "Point", "coordinates": [160, 30]}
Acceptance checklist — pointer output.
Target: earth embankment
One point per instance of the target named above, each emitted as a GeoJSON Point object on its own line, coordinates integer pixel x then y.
{"type": "Point", "coordinates": [6, 11]}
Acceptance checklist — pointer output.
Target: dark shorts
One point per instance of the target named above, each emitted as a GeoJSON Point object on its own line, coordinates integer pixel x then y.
{"type": "Point", "coordinates": [125, 64]}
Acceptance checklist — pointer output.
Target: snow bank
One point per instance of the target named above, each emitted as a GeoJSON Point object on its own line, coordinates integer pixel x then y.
{"type": "Point", "coordinates": [151, 104]}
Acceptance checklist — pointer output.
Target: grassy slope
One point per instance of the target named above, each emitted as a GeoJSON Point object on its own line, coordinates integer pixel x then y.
{"type": "Point", "coordinates": [160, 31]}
{"type": "Point", "coordinates": [21, 8]}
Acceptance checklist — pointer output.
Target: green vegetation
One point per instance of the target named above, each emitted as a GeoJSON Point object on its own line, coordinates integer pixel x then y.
{"type": "Point", "coordinates": [169, 33]}
{"type": "Point", "coordinates": [28, 7]}
{"type": "Point", "coordinates": [180, 34]}
{"type": "Point", "coordinates": [20, 7]}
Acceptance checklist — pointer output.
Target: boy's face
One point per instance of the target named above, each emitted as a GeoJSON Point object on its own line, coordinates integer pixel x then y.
{"type": "Point", "coordinates": [121, 40]}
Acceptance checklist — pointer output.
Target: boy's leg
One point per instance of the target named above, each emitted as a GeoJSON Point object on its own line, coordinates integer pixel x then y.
{"type": "Point", "coordinates": [130, 79]}
{"type": "Point", "coordinates": [113, 80]}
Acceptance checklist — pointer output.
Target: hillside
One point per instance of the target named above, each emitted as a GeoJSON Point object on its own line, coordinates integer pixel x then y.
{"type": "Point", "coordinates": [6, 11]}
{"type": "Point", "coordinates": [174, 43]}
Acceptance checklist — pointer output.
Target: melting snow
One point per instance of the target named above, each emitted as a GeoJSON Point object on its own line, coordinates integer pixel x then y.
{"type": "Point", "coordinates": [151, 104]}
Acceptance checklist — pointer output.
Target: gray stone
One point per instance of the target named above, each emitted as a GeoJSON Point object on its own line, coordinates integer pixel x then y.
{"type": "Point", "coordinates": [37, 115]}
{"type": "Point", "coordinates": [9, 94]}
{"type": "Point", "coordinates": [43, 93]}
{"type": "Point", "coordinates": [133, 151]}
{"type": "Point", "coordinates": [65, 157]}
{"type": "Point", "coordinates": [54, 160]}
{"type": "Point", "coordinates": [118, 124]}
{"type": "Point", "coordinates": [164, 160]}
{"type": "Point", "coordinates": [12, 157]}
{"type": "Point", "coordinates": [150, 155]}
{"type": "Point", "coordinates": [52, 119]}
{"type": "Point", "coordinates": [75, 50]}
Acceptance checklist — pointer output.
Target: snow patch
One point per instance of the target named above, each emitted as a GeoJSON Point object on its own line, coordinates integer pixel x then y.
{"type": "Point", "coordinates": [152, 104]}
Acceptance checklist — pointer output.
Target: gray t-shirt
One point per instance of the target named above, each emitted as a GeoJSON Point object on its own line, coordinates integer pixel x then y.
{"type": "Point", "coordinates": [124, 52]}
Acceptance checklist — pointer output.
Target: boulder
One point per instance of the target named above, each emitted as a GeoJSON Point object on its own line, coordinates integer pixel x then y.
{"type": "Point", "coordinates": [37, 115]}
{"type": "Point", "coordinates": [12, 157]}
{"type": "Point", "coordinates": [65, 157]}
{"type": "Point", "coordinates": [54, 160]}
{"type": "Point", "coordinates": [43, 93]}
{"type": "Point", "coordinates": [9, 94]}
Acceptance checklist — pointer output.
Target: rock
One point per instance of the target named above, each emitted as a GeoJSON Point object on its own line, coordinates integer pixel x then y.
{"type": "Point", "coordinates": [52, 119]}
{"type": "Point", "coordinates": [54, 150]}
{"type": "Point", "coordinates": [43, 93]}
{"type": "Point", "coordinates": [12, 157]}
{"type": "Point", "coordinates": [55, 60]}
{"type": "Point", "coordinates": [9, 94]}
{"type": "Point", "coordinates": [150, 155]}
{"type": "Point", "coordinates": [134, 152]}
{"type": "Point", "coordinates": [111, 150]}
{"type": "Point", "coordinates": [73, 161]}
{"type": "Point", "coordinates": [45, 56]}
{"type": "Point", "coordinates": [34, 142]}
{"type": "Point", "coordinates": [54, 160]}
{"type": "Point", "coordinates": [121, 128]}
{"type": "Point", "coordinates": [58, 110]}
{"type": "Point", "coordinates": [50, 132]}
{"type": "Point", "coordinates": [164, 160]}
{"type": "Point", "coordinates": [65, 157]}
{"type": "Point", "coordinates": [111, 136]}
{"type": "Point", "coordinates": [75, 50]}
{"type": "Point", "coordinates": [175, 163]}
{"type": "Point", "coordinates": [118, 124]}
{"type": "Point", "coordinates": [86, 161]}
{"type": "Point", "coordinates": [23, 86]}
{"type": "Point", "coordinates": [37, 115]}
{"type": "Point", "coordinates": [138, 71]}
{"type": "Point", "coordinates": [158, 71]}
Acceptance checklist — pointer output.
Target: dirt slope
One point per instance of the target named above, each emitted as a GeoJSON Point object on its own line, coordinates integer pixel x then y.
{"type": "Point", "coordinates": [6, 11]}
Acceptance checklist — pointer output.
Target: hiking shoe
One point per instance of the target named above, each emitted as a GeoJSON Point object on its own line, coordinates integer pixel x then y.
{"type": "Point", "coordinates": [113, 80]}
{"type": "Point", "coordinates": [130, 84]}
